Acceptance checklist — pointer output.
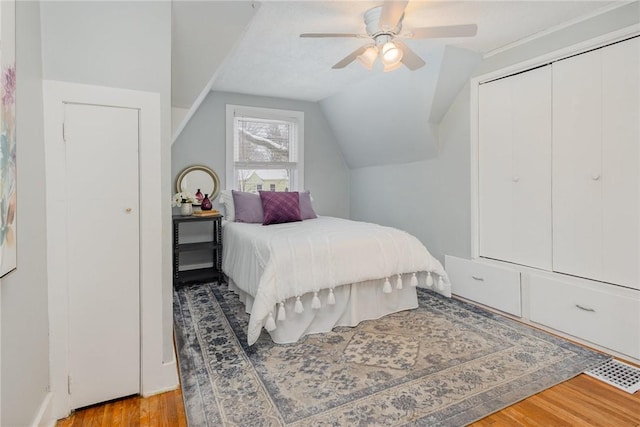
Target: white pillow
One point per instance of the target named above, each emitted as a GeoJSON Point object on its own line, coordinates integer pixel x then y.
{"type": "Point", "coordinates": [226, 198]}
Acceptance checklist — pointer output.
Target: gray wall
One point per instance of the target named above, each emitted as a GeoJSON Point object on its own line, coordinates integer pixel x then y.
{"type": "Point", "coordinates": [429, 199]}
{"type": "Point", "coordinates": [25, 326]}
{"type": "Point", "coordinates": [124, 44]}
{"type": "Point", "coordinates": [203, 141]}
{"type": "Point", "coordinates": [432, 198]}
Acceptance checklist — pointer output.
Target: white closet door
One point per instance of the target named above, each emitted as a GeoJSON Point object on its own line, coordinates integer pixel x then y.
{"type": "Point", "coordinates": [595, 164]}
{"type": "Point", "coordinates": [515, 168]}
{"type": "Point", "coordinates": [620, 159]}
{"type": "Point", "coordinates": [101, 146]}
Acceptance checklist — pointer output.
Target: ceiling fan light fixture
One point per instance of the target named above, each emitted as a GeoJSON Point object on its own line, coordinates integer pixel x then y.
{"type": "Point", "coordinates": [368, 57]}
{"type": "Point", "coordinates": [391, 55]}
{"type": "Point", "coordinates": [392, 67]}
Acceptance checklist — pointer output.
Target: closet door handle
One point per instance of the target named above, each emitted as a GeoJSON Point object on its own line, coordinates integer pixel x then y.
{"type": "Point", "coordinates": [515, 178]}
{"type": "Point", "coordinates": [581, 307]}
{"type": "Point", "coordinates": [595, 176]}
{"type": "Point", "coordinates": [479, 279]}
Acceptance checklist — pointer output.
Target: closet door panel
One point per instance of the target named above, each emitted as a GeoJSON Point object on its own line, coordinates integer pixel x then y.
{"type": "Point", "coordinates": [577, 169]}
{"type": "Point", "coordinates": [515, 168]}
{"type": "Point", "coordinates": [620, 158]}
{"type": "Point", "coordinates": [495, 171]}
{"type": "Point", "coordinates": [531, 178]}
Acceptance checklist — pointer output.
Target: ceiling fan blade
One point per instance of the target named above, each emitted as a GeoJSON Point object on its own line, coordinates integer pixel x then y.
{"type": "Point", "coordinates": [468, 30]}
{"type": "Point", "coordinates": [350, 58]}
{"type": "Point", "coordinates": [321, 35]}
{"type": "Point", "coordinates": [409, 57]}
{"type": "Point", "coordinates": [391, 14]}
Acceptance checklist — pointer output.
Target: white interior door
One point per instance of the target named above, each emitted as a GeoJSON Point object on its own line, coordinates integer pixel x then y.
{"type": "Point", "coordinates": [101, 145]}
{"type": "Point", "coordinates": [515, 168]}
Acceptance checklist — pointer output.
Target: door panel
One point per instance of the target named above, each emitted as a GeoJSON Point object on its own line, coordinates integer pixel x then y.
{"type": "Point", "coordinates": [103, 252]}
{"type": "Point", "coordinates": [577, 167]}
{"type": "Point", "coordinates": [620, 159]}
{"type": "Point", "coordinates": [515, 168]}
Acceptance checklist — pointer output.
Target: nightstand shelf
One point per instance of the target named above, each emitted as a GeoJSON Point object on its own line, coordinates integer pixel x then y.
{"type": "Point", "coordinates": [208, 252]}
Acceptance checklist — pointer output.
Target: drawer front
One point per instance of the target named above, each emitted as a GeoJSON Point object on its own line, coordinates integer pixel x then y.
{"type": "Point", "coordinates": [593, 311]}
{"type": "Point", "coordinates": [490, 285]}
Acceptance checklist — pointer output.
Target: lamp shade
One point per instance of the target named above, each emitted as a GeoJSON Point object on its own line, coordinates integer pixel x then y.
{"type": "Point", "coordinates": [368, 57]}
{"type": "Point", "coordinates": [391, 55]}
{"type": "Point", "coordinates": [392, 67]}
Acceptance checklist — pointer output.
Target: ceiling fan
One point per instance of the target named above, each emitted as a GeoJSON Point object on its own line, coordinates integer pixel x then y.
{"type": "Point", "coordinates": [384, 26]}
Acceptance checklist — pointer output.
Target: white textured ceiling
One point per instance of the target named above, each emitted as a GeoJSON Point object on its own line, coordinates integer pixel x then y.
{"type": "Point", "coordinates": [272, 60]}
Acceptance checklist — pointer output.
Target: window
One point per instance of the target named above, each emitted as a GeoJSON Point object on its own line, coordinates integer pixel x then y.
{"type": "Point", "coordinates": [264, 149]}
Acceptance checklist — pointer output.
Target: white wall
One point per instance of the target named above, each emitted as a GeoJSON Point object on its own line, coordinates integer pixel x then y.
{"type": "Point", "coordinates": [432, 198]}
{"type": "Point", "coordinates": [25, 344]}
{"type": "Point", "coordinates": [203, 141]}
{"type": "Point", "coordinates": [124, 44]}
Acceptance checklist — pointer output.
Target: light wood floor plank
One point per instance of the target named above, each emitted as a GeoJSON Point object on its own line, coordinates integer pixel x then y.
{"type": "Point", "coordinates": [581, 401]}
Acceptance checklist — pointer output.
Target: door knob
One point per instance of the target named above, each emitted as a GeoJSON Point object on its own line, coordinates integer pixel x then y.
{"type": "Point", "coordinates": [595, 176]}
{"type": "Point", "coordinates": [128, 210]}
{"type": "Point", "coordinates": [515, 178]}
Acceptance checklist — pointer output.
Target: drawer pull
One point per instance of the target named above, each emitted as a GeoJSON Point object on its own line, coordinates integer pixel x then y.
{"type": "Point", "coordinates": [480, 279]}
{"type": "Point", "coordinates": [585, 308]}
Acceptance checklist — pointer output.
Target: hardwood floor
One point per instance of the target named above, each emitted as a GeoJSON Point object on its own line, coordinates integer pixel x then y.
{"type": "Point", "coordinates": [581, 401]}
{"type": "Point", "coordinates": [161, 410]}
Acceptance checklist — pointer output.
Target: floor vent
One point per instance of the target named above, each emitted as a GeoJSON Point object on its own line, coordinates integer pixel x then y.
{"type": "Point", "coordinates": [618, 374]}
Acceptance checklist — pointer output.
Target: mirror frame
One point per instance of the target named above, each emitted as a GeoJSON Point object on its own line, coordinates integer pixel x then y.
{"type": "Point", "coordinates": [205, 169]}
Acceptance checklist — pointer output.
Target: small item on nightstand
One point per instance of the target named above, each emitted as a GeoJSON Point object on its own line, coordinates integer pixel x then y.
{"type": "Point", "coordinates": [206, 203]}
{"type": "Point", "coordinates": [199, 197]}
{"type": "Point", "coordinates": [185, 208]}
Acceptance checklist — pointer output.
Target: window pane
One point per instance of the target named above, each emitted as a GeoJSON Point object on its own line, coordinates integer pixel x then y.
{"type": "Point", "coordinates": [262, 140]}
{"type": "Point", "coordinates": [253, 180]}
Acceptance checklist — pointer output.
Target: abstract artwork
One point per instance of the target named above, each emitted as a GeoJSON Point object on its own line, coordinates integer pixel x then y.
{"type": "Point", "coordinates": [8, 193]}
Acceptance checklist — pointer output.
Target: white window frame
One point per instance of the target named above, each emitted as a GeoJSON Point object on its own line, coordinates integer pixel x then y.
{"type": "Point", "coordinates": [297, 179]}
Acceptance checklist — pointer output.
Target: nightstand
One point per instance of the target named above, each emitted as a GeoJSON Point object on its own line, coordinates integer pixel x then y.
{"type": "Point", "coordinates": [209, 250]}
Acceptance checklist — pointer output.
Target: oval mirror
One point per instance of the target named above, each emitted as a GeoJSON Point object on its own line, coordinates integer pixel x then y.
{"type": "Point", "coordinates": [201, 178]}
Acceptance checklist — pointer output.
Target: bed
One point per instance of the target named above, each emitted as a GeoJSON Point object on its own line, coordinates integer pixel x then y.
{"type": "Point", "coordinates": [307, 277]}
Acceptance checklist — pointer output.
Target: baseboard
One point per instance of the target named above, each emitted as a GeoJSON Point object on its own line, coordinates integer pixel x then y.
{"type": "Point", "coordinates": [44, 416]}
{"type": "Point", "coordinates": [169, 380]}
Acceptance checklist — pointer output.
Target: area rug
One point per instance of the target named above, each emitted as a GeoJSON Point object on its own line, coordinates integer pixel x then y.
{"type": "Point", "coordinates": [447, 363]}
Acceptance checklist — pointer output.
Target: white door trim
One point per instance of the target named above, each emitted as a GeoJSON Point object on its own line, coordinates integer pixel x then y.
{"type": "Point", "coordinates": [155, 375]}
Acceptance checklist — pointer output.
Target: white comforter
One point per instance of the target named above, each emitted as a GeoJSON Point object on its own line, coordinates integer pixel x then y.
{"type": "Point", "coordinates": [276, 262]}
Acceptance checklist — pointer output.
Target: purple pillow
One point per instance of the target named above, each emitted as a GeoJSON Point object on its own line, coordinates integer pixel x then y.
{"type": "Point", "coordinates": [279, 207]}
{"type": "Point", "coordinates": [306, 210]}
{"type": "Point", "coordinates": [248, 207]}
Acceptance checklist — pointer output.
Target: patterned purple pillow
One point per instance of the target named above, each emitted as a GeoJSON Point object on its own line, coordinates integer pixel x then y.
{"type": "Point", "coordinates": [279, 207]}
{"type": "Point", "coordinates": [248, 207]}
{"type": "Point", "coordinates": [306, 210]}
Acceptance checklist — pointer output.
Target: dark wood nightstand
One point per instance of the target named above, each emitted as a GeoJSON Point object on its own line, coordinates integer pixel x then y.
{"type": "Point", "coordinates": [209, 249]}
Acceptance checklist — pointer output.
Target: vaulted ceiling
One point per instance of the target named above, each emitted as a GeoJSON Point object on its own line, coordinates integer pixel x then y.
{"type": "Point", "coordinates": [264, 55]}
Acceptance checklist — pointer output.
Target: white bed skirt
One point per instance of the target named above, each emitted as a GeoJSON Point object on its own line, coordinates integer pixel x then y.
{"type": "Point", "coordinates": [354, 303]}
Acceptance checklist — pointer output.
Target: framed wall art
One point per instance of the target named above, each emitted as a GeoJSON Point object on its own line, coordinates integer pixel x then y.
{"type": "Point", "coordinates": [8, 187]}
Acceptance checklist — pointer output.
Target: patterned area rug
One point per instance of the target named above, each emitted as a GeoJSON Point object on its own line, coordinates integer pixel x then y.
{"type": "Point", "coordinates": [446, 363]}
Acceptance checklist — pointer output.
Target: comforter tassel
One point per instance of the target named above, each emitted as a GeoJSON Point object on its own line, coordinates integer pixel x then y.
{"type": "Point", "coordinates": [399, 282]}
{"type": "Point", "coordinates": [270, 325]}
{"type": "Point", "coordinates": [414, 280]}
{"type": "Point", "coordinates": [282, 315]}
{"type": "Point", "coordinates": [298, 308]}
{"type": "Point", "coordinates": [440, 284]}
{"type": "Point", "coordinates": [331, 299]}
{"type": "Point", "coordinates": [429, 280]}
{"type": "Point", "coordinates": [387, 286]}
{"type": "Point", "coordinates": [315, 302]}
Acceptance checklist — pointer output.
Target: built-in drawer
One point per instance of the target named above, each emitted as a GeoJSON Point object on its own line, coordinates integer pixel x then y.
{"type": "Point", "coordinates": [491, 285]}
{"type": "Point", "coordinates": [603, 314]}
